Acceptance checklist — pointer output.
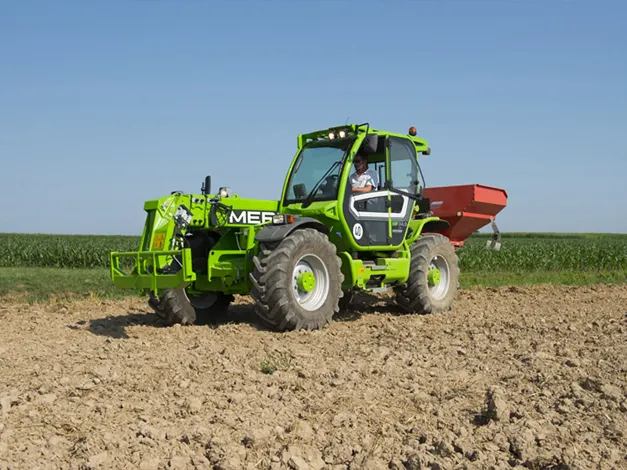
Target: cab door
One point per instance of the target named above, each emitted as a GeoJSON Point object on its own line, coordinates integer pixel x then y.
{"type": "Point", "coordinates": [402, 184]}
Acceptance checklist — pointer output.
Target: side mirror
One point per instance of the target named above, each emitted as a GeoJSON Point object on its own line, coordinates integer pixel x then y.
{"type": "Point", "coordinates": [300, 191]}
{"type": "Point", "coordinates": [206, 187]}
{"type": "Point", "coordinates": [370, 144]}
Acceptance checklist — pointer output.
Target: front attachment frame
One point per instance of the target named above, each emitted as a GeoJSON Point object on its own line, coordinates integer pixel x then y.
{"type": "Point", "coordinates": [145, 276]}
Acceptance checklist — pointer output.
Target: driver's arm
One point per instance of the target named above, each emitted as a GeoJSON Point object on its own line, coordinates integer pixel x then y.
{"type": "Point", "coordinates": [365, 189]}
{"type": "Point", "coordinates": [369, 186]}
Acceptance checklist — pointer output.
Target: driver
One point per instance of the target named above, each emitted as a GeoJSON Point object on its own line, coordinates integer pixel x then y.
{"type": "Point", "coordinates": [364, 179]}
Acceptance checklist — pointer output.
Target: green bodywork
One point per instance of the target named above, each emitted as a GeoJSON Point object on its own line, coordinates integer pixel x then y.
{"type": "Point", "coordinates": [224, 264]}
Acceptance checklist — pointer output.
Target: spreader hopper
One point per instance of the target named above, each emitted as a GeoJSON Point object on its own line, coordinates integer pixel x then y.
{"type": "Point", "coordinates": [467, 208]}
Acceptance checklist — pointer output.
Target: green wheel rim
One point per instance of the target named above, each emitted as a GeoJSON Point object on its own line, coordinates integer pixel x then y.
{"type": "Point", "coordinates": [306, 281]}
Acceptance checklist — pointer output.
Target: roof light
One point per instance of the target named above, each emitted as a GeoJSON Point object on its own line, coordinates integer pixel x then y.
{"type": "Point", "coordinates": [412, 131]}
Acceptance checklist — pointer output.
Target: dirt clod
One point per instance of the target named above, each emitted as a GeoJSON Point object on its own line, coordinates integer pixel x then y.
{"type": "Point", "coordinates": [496, 407]}
{"type": "Point", "coordinates": [531, 377]}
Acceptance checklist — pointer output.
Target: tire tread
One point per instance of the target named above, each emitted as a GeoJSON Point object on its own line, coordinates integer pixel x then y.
{"type": "Point", "coordinates": [414, 296]}
{"type": "Point", "coordinates": [271, 290]}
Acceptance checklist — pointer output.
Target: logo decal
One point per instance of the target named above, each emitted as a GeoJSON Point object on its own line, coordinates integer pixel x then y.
{"type": "Point", "coordinates": [358, 231]}
{"type": "Point", "coordinates": [250, 217]}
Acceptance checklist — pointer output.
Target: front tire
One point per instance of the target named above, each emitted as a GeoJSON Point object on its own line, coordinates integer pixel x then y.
{"type": "Point", "coordinates": [433, 278]}
{"type": "Point", "coordinates": [298, 284]}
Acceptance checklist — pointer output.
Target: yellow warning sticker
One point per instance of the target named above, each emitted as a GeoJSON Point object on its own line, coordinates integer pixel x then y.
{"type": "Point", "coordinates": [158, 241]}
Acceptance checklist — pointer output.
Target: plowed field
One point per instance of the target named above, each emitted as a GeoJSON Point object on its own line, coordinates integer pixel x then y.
{"type": "Point", "coordinates": [533, 377]}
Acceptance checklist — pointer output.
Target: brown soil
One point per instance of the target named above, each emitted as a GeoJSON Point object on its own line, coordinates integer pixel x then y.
{"type": "Point", "coordinates": [528, 377]}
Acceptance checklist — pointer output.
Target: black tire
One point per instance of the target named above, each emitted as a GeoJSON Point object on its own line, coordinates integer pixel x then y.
{"type": "Point", "coordinates": [346, 301]}
{"type": "Point", "coordinates": [273, 291]}
{"type": "Point", "coordinates": [416, 296]}
{"type": "Point", "coordinates": [175, 306]}
{"type": "Point", "coordinates": [218, 312]}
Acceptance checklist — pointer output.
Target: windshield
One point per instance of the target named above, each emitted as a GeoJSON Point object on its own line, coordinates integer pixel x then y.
{"type": "Point", "coordinates": [312, 165]}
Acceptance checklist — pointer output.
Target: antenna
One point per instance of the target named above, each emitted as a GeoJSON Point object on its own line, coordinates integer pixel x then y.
{"type": "Point", "coordinates": [346, 120]}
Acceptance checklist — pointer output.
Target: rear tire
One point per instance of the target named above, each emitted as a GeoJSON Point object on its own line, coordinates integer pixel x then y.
{"type": "Point", "coordinates": [298, 284]}
{"type": "Point", "coordinates": [175, 307]}
{"type": "Point", "coordinates": [435, 292]}
{"type": "Point", "coordinates": [218, 312]}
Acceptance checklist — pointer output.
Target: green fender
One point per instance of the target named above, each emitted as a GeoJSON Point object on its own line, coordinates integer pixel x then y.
{"type": "Point", "coordinates": [418, 226]}
{"type": "Point", "coordinates": [275, 233]}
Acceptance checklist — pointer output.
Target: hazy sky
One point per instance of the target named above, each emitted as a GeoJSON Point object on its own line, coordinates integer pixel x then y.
{"type": "Point", "coordinates": [104, 104]}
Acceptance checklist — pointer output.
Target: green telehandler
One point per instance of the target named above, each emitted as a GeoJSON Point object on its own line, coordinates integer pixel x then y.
{"type": "Point", "coordinates": [303, 257]}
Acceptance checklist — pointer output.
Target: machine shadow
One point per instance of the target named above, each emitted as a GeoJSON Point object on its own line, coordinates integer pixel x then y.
{"type": "Point", "coordinates": [367, 303]}
{"type": "Point", "coordinates": [239, 314]}
{"type": "Point", "coordinates": [115, 326]}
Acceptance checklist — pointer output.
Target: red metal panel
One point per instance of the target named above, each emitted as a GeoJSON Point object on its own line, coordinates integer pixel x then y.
{"type": "Point", "coordinates": [466, 207]}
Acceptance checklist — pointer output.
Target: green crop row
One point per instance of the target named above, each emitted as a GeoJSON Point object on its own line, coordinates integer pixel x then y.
{"type": "Point", "coordinates": [519, 252]}
{"type": "Point", "coordinates": [527, 254]}
{"type": "Point", "coordinates": [61, 251]}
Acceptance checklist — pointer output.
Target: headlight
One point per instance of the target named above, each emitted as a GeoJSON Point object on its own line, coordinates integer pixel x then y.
{"type": "Point", "coordinates": [342, 133]}
{"type": "Point", "coordinates": [225, 192]}
{"type": "Point", "coordinates": [182, 217]}
{"type": "Point", "coordinates": [282, 219]}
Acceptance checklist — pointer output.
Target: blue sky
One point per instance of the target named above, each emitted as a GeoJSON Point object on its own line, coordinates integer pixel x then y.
{"type": "Point", "coordinates": [117, 102]}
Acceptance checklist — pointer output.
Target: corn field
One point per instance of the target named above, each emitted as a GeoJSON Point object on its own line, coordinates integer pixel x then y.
{"type": "Point", "coordinates": [526, 253]}
{"type": "Point", "coordinates": [519, 252]}
{"type": "Point", "coordinates": [61, 251]}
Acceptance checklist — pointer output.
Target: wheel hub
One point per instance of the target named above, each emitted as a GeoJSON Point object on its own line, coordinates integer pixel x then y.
{"type": "Point", "coordinates": [434, 276]}
{"type": "Point", "coordinates": [306, 281]}
{"type": "Point", "coordinates": [310, 282]}
{"type": "Point", "coordinates": [438, 277]}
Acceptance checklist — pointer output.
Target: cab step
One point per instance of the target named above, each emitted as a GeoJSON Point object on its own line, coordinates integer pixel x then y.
{"type": "Point", "coordinates": [374, 267]}
{"type": "Point", "coordinates": [379, 290]}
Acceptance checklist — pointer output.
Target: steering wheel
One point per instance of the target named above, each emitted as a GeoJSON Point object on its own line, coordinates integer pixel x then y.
{"type": "Point", "coordinates": [330, 183]}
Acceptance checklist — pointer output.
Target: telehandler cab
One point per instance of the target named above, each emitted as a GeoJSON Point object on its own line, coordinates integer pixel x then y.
{"type": "Point", "coordinates": [302, 257]}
